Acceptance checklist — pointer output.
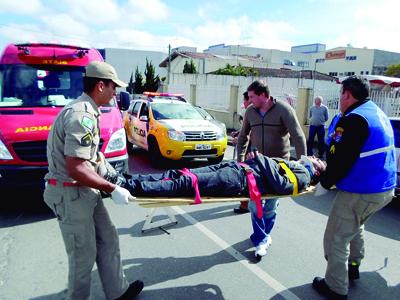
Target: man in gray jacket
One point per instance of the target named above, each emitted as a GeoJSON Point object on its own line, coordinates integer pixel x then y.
{"type": "Point", "coordinates": [268, 124]}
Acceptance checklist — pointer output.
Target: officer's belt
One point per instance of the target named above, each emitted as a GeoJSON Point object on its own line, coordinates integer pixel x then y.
{"type": "Point", "coordinates": [53, 181]}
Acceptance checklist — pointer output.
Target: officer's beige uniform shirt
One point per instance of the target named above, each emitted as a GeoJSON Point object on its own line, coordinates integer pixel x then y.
{"type": "Point", "coordinates": [75, 134]}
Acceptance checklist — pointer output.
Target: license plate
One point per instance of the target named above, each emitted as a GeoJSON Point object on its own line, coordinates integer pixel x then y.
{"type": "Point", "coordinates": [203, 147]}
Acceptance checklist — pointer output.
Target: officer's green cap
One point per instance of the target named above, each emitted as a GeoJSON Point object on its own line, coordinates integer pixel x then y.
{"type": "Point", "coordinates": [103, 70]}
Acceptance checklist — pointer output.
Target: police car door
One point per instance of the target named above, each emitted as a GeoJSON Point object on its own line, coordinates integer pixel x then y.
{"type": "Point", "coordinates": [133, 121]}
{"type": "Point", "coordinates": [143, 125]}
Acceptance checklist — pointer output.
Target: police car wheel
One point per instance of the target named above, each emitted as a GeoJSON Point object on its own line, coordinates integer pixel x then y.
{"type": "Point", "coordinates": [154, 151]}
{"type": "Point", "coordinates": [129, 146]}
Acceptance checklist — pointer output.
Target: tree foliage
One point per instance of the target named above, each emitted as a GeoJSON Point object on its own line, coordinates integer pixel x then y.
{"type": "Point", "coordinates": [138, 85]}
{"type": "Point", "coordinates": [131, 85]}
{"type": "Point", "coordinates": [151, 80]}
{"type": "Point", "coordinates": [393, 70]}
{"type": "Point", "coordinates": [189, 68]}
{"type": "Point", "coordinates": [236, 71]}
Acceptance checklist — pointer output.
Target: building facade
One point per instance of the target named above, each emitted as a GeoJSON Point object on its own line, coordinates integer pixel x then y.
{"type": "Point", "coordinates": [125, 61]}
{"type": "Point", "coordinates": [346, 61]}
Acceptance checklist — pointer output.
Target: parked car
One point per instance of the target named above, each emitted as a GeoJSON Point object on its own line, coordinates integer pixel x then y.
{"type": "Point", "coordinates": [396, 129]}
{"type": "Point", "coordinates": [210, 117]}
{"type": "Point", "coordinates": [169, 127]}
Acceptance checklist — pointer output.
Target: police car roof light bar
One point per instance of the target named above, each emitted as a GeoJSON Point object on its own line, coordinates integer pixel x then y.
{"type": "Point", "coordinates": [162, 94]}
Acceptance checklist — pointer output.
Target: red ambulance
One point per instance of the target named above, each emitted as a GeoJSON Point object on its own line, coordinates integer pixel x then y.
{"type": "Point", "coordinates": [36, 81]}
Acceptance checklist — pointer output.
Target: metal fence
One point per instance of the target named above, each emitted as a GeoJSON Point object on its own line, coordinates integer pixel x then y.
{"type": "Point", "coordinates": [388, 101]}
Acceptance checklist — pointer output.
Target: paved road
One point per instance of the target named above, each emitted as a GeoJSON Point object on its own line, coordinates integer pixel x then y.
{"type": "Point", "coordinates": [207, 255]}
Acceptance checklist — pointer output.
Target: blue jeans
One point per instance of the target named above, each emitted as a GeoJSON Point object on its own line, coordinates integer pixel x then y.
{"type": "Point", "coordinates": [320, 132]}
{"type": "Point", "coordinates": [262, 227]}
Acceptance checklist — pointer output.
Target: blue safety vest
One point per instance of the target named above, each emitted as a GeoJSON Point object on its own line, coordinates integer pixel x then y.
{"type": "Point", "coordinates": [375, 169]}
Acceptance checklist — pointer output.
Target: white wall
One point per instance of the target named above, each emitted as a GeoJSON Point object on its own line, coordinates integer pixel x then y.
{"type": "Point", "coordinates": [213, 92]}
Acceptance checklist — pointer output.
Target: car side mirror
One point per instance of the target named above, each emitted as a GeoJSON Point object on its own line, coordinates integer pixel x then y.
{"type": "Point", "coordinates": [124, 101]}
{"type": "Point", "coordinates": [143, 118]}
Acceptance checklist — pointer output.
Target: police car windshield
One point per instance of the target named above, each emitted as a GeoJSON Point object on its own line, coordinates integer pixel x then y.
{"type": "Point", "coordinates": [168, 110]}
{"type": "Point", "coordinates": [39, 85]}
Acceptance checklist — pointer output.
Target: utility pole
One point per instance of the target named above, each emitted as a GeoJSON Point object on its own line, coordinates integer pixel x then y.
{"type": "Point", "coordinates": [169, 63]}
{"type": "Point", "coordinates": [313, 75]}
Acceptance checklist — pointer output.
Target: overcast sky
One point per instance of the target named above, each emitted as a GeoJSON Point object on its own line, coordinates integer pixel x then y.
{"type": "Point", "coordinates": [153, 24]}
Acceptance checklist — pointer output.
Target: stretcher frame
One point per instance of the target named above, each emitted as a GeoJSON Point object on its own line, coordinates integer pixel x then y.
{"type": "Point", "coordinates": [164, 203]}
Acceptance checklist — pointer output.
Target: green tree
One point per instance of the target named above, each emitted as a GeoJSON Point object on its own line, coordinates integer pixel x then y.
{"type": "Point", "coordinates": [393, 70]}
{"type": "Point", "coordinates": [189, 68]}
{"type": "Point", "coordinates": [236, 71]}
{"type": "Point", "coordinates": [138, 85]}
{"type": "Point", "coordinates": [131, 85]}
{"type": "Point", "coordinates": [152, 81]}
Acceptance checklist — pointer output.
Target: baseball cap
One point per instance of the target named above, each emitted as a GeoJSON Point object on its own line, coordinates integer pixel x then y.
{"type": "Point", "coordinates": [101, 69]}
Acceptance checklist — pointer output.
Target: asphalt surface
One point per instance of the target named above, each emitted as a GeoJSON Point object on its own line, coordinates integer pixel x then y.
{"type": "Point", "coordinates": [206, 255]}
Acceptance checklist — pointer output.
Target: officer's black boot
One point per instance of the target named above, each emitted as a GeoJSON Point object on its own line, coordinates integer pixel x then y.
{"type": "Point", "coordinates": [353, 271]}
{"type": "Point", "coordinates": [133, 290]}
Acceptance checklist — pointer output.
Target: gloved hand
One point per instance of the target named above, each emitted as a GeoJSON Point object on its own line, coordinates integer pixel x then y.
{"type": "Point", "coordinates": [320, 190]}
{"type": "Point", "coordinates": [120, 195]}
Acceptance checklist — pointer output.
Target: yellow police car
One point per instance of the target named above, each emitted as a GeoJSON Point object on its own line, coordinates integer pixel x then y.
{"type": "Point", "coordinates": [169, 127]}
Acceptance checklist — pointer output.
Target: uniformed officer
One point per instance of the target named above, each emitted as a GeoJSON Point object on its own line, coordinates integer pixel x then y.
{"type": "Point", "coordinates": [73, 190]}
{"type": "Point", "coordinates": [362, 163]}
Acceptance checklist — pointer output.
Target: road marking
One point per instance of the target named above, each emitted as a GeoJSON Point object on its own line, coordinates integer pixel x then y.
{"type": "Point", "coordinates": [260, 273]}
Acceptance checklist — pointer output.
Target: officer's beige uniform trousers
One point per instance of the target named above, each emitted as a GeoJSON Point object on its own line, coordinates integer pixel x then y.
{"type": "Point", "coordinates": [89, 237]}
{"type": "Point", "coordinates": [344, 233]}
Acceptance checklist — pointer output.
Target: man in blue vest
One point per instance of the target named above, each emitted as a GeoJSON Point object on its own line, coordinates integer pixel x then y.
{"type": "Point", "coordinates": [361, 163]}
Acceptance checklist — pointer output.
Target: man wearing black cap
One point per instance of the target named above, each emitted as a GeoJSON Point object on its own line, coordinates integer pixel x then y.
{"type": "Point", "coordinates": [73, 190]}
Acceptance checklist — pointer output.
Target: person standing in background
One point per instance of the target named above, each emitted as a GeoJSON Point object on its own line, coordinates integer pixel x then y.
{"type": "Point", "coordinates": [318, 115]}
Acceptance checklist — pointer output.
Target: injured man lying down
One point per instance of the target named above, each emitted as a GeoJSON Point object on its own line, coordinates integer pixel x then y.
{"type": "Point", "coordinates": [227, 179]}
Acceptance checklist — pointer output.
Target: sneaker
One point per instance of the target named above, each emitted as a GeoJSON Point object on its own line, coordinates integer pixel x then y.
{"type": "Point", "coordinates": [133, 290]}
{"type": "Point", "coordinates": [240, 210]}
{"type": "Point", "coordinates": [353, 271]}
{"type": "Point", "coordinates": [261, 250]}
{"type": "Point", "coordinates": [322, 288]}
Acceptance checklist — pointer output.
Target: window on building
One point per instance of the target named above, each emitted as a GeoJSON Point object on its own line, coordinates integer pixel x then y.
{"type": "Point", "coordinates": [366, 72]}
{"type": "Point", "coordinates": [303, 64]}
{"type": "Point", "coordinates": [288, 62]}
{"type": "Point", "coordinates": [362, 73]}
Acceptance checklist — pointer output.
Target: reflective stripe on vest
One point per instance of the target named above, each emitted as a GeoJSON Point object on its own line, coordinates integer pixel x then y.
{"type": "Point", "coordinates": [376, 151]}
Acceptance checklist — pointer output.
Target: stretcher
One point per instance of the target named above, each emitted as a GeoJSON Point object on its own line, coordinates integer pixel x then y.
{"type": "Point", "coordinates": [165, 203]}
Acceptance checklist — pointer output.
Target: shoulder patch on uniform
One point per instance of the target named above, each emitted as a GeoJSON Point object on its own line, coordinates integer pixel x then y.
{"type": "Point", "coordinates": [87, 122]}
{"type": "Point", "coordinates": [86, 140]}
{"type": "Point", "coordinates": [337, 135]}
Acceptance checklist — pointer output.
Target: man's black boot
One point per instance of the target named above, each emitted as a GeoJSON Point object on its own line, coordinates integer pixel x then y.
{"type": "Point", "coordinates": [353, 271]}
{"type": "Point", "coordinates": [133, 290]}
{"type": "Point", "coordinates": [322, 288]}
